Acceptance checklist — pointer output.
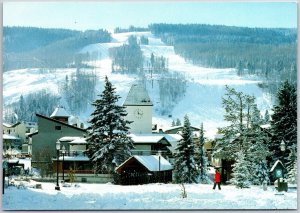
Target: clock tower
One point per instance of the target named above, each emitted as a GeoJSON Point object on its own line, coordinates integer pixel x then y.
{"type": "Point", "coordinates": [139, 108]}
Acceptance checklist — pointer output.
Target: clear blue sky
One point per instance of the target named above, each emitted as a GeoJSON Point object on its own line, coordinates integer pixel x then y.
{"type": "Point", "coordinates": [108, 15]}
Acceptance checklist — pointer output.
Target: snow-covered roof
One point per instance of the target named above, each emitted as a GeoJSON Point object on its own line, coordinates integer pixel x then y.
{"type": "Point", "coordinates": [68, 138]}
{"type": "Point", "coordinates": [7, 125]}
{"type": "Point", "coordinates": [137, 96]}
{"type": "Point", "coordinates": [79, 140]}
{"type": "Point", "coordinates": [73, 140]}
{"type": "Point", "coordinates": [59, 112]}
{"type": "Point", "coordinates": [10, 137]}
{"type": "Point", "coordinates": [172, 137]}
{"type": "Point", "coordinates": [147, 138]}
{"type": "Point", "coordinates": [275, 164]}
{"type": "Point", "coordinates": [151, 162]}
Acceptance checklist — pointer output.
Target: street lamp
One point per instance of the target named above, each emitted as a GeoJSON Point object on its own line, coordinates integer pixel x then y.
{"type": "Point", "coordinates": [159, 154]}
{"type": "Point", "coordinates": [57, 158]}
{"type": "Point", "coordinates": [283, 148]}
{"type": "Point", "coordinates": [63, 151]}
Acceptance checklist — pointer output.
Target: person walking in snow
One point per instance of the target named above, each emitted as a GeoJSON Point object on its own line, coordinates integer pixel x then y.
{"type": "Point", "coordinates": [217, 180]}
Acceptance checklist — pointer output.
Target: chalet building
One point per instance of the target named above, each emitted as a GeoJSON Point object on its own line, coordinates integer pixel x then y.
{"type": "Point", "coordinates": [141, 169]}
{"type": "Point", "coordinates": [50, 130]}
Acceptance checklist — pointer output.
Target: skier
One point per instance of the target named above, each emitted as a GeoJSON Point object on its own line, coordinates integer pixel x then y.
{"type": "Point", "coordinates": [217, 180]}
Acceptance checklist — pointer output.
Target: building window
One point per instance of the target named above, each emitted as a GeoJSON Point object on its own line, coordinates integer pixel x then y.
{"type": "Point", "coordinates": [57, 127]}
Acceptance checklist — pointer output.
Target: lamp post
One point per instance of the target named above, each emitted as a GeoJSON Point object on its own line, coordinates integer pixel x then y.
{"type": "Point", "coordinates": [57, 158]}
{"type": "Point", "coordinates": [63, 151]}
{"type": "Point", "coordinates": [159, 154]}
{"type": "Point", "coordinates": [282, 148]}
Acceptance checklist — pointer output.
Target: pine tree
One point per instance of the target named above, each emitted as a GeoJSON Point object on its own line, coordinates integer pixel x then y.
{"type": "Point", "coordinates": [173, 123]}
{"type": "Point", "coordinates": [201, 158]}
{"type": "Point", "coordinates": [261, 173]}
{"type": "Point", "coordinates": [108, 143]}
{"type": "Point", "coordinates": [241, 175]}
{"type": "Point", "coordinates": [185, 167]}
{"type": "Point", "coordinates": [237, 114]}
{"type": "Point", "coordinates": [284, 123]}
{"type": "Point", "coordinates": [292, 168]}
{"type": "Point", "coordinates": [243, 134]}
{"type": "Point", "coordinates": [178, 123]}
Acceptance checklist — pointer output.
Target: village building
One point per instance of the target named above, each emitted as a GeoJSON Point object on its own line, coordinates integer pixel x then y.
{"type": "Point", "coordinates": [139, 108]}
{"type": "Point", "coordinates": [11, 146]}
{"type": "Point", "coordinates": [15, 137]}
{"type": "Point", "coordinates": [50, 129]}
{"type": "Point", "coordinates": [141, 169]}
{"type": "Point", "coordinates": [20, 129]}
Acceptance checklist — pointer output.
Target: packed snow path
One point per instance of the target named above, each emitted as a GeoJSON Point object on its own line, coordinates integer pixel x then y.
{"type": "Point", "coordinates": [151, 196]}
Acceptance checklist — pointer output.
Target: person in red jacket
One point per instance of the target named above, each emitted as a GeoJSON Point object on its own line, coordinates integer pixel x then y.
{"type": "Point", "coordinates": [217, 180]}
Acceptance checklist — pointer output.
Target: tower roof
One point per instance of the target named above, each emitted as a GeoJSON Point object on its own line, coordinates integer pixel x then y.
{"type": "Point", "coordinates": [60, 112]}
{"type": "Point", "coordinates": [137, 96]}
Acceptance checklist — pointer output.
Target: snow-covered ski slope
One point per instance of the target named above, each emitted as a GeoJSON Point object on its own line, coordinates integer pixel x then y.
{"type": "Point", "coordinates": [202, 101]}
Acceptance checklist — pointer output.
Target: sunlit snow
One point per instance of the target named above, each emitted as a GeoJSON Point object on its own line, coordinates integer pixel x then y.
{"type": "Point", "coordinates": [148, 197]}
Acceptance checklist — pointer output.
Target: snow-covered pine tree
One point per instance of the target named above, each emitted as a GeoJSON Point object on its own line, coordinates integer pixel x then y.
{"type": "Point", "coordinates": [292, 168]}
{"type": "Point", "coordinates": [243, 134]}
{"type": "Point", "coordinates": [284, 123]}
{"type": "Point", "coordinates": [241, 175]}
{"type": "Point", "coordinates": [258, 149]}
{"type": "Point", "coordinates": [201, 158]}
{"type": "Point", "coordinates": [108, 141]}
{"type": "Point", "coordinates": [184, 166]}
{"type": "Point", "coordinates": [261, 173]}
{"type": "Point", "coordinates": [236, 115]}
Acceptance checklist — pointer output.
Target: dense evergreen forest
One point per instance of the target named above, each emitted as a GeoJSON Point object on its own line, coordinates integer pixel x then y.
{"type": "Point", "coordinates": [128, 58]}
{"type": "Point", "coordinates": [27, 47]}
{"type": "Point", "coordinates": [267, 53]}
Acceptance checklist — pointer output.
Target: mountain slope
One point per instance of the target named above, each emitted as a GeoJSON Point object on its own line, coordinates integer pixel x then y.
{"type": "Point", "coordinates": [201, 101]}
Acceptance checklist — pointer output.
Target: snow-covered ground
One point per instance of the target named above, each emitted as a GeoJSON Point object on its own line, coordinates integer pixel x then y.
{"type": "Point", "coordinates": [142, 197]}
{"type": "Point", "coordinates": [202, 101]}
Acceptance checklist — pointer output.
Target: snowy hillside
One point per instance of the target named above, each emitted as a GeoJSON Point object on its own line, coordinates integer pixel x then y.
{"type": "Point", "coordinates": [202, 100]}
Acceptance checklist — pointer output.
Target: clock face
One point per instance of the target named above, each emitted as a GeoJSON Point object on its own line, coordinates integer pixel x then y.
{"type": "Point", "coordinates": [138, 113]}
